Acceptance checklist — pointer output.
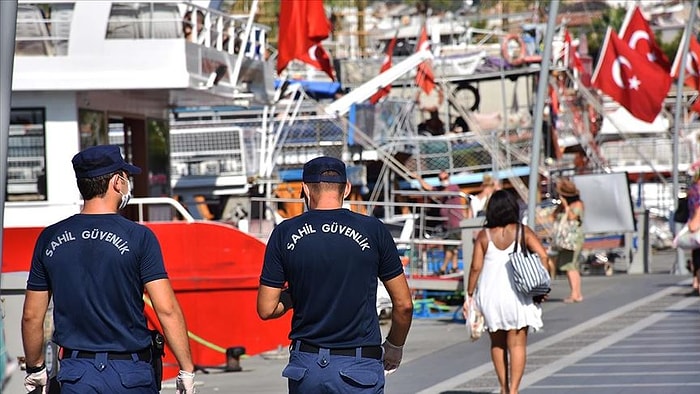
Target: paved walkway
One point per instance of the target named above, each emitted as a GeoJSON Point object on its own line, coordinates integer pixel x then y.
{"type": "Point", "coordinates": [631, 334]}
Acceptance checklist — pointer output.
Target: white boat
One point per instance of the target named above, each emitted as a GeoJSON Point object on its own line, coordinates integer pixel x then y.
{"type": "Point", "coordinates": [96, 72]}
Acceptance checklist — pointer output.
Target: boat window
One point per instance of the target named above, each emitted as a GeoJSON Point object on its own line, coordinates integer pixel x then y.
{"type": "Point", "coordinates": [160, 20]}
{"type": "Point", "coordinates": [158, 158]}
{"type": "Point", "coordinates": [123, 21]}
{"type": "Point", "coordinates": [92, 128]}
{"type": "Point", "coordinates": [32, 34]}
{"type": "Point", "coordinates": [26, 155]}
{"type": "Point", "coordinates": [43, 29]}
{"type": "Point", "coordinates": [61, 16]}
{"type": "Point", "coordinates": [144, 20]}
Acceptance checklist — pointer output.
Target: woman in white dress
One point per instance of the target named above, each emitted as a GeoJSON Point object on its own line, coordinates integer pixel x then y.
{"type": "Point", "coordinates": [508, 314]}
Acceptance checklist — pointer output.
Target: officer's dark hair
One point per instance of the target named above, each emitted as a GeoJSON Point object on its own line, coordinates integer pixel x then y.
{"type": "Point", "coordinates": [327, 186]}
{"type": "Point", "coordinates": [96, 187]}
{"type": "Point", "coordinates": [501, 209]}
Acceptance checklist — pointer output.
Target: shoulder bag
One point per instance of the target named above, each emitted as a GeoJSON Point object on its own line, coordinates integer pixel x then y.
{"type": "Point", "coordinates": [566, 234]}
{"type": "Point", "coordinates": [687, 240]}
{"type": "Point", "coordinates": [529, 275]}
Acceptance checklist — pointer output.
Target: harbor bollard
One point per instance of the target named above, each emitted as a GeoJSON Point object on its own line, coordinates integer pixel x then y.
{"type": "Point", "coordinates": [233, 359]}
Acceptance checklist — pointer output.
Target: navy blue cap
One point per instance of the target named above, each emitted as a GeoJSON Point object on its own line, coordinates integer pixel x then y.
{"type": "Point", "coordinates": [101, 160]}
{"type": "Point", "coordinates": [314, 169]}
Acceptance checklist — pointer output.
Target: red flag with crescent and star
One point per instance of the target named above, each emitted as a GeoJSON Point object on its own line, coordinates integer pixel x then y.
{"type": "Point", "coordinates": [303, 25]}
{"type": "Point", "coordinates": [692, 64]}
{"type": "Point", "coordinates": [692, 67]}
{"type": "Point", "coordinates": [425, 78]}
{"type": "Point", "coordinates": [631, 79]}
{"type": "Point", "coordinates": [386, 64]}
{"type": "Point", "coordinates": [637, 33]}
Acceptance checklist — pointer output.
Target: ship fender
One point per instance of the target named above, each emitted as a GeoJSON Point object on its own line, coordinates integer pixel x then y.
{"type": "Point", "coordinates": [513, 49]}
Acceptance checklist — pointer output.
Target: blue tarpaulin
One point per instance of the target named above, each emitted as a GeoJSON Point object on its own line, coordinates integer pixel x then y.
{"type": "Point", "coordinates": [315, 89]}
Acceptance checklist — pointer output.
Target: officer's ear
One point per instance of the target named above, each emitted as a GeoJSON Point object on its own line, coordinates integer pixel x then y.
{"type": "Point", "coordinates": [348, 188]}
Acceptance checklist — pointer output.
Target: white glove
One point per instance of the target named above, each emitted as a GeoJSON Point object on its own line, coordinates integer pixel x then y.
{"type": "Point", "coordinates": [184, 384]}
{"type": "Point", "coordinates": [37, 382]}
{"type": "Point", "coordinates": [392, 357]}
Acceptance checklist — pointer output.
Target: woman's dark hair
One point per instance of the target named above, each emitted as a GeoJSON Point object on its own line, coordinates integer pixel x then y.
{"type": "Point", "coordinates": [501, 209]}
{"type": "Point", "coordinates": [570, 199]}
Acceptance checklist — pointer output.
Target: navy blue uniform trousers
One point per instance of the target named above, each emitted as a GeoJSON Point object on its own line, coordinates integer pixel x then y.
{"type": "Point", "coordinates": [101, 375]}
{"type": "Point", "coordinates": [325, 373]}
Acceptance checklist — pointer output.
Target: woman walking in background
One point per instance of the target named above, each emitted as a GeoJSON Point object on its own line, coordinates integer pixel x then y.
{"type": "Point", "coordinates": [568, 236]}
{"type": "Point", "coordinates": [694, 223]}
{"type": "Point", "coordinates": [508, 314]}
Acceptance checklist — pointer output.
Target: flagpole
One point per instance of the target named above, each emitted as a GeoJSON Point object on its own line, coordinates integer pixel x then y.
{"type": "Point", "coordinates": [680, 268]}
{"type": "Point", "coordinates": [533, 182]}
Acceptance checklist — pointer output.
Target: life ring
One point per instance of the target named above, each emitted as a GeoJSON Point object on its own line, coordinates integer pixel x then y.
{"type": "Point", "coordinates": [475, 98]}
{"type": "Point", "coordinates": [513, 49]}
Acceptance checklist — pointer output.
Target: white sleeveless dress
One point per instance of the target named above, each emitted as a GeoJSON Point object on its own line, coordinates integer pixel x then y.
{"type": "Point", "coordinates": [503, 307]}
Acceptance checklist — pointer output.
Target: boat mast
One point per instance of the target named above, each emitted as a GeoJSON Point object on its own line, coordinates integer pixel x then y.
{"type": "Point", "coordinates": [533, 183]}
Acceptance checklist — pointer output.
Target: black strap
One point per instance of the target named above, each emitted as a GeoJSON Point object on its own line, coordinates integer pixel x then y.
{"type": "Point", "coordinates": [526, 251]}
{"type": "Point", "coordinates": [38, 368]}
{"type": "Point", "coordinates": [374, 352]}
{"type": "Point", "coordinates": [143, 355]}
{"type": "Point", "coordinates": [520, 233]}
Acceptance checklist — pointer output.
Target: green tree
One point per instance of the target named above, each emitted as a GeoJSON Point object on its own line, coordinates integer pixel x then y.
{"type": "Point", "coordinates": [670, 48]}
{"type": "Point", "coordinates": [612, 17]}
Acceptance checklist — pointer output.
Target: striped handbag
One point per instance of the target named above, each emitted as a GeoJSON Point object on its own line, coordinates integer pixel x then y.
{"type": "Point", "coordinates": [529, 275]}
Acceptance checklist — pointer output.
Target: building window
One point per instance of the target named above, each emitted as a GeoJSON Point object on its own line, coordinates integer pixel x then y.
{"type": "Point", "coordinates": [26, 155]}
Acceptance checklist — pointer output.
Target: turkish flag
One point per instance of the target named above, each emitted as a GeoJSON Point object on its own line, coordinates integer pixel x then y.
{"type": "Point", "coordinates": [302, 26]}
{"type": "Point", "coordinates": [696, 105]}
{"type": "Point", "coordinates": [575, 62]}
{"type": "Point", "coordinates": [637, 33]}
{"type": "Point", "coordinates": [631, 79]}
{"type": "Point", "coordinates": [386, 64]}
{"type": "Point", "coordinates": [425, 78]}
{"type": "Point", "coordinates": [692, 63]}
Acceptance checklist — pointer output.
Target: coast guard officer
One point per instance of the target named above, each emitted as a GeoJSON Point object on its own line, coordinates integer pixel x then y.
{"type": "Point", "coordinates": [329, 258]}
{"type": "Point", "coordinates": [95, 265]}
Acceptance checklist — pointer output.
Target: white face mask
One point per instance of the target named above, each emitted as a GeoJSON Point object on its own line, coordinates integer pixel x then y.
{"type": "Point", "coordinates": [125, 197]}
{"type": "Point", "coordinates": [445, 183]}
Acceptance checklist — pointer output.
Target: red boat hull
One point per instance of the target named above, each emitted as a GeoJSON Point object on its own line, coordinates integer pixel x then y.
{"type": "Point", "coordinates": [214, 270]}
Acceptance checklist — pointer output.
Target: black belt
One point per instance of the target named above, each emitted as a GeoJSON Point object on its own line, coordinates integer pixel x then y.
{"type": "Point", "coordinates": [374, 352]}
{"type": "Point", "coordinates": [143, 355]}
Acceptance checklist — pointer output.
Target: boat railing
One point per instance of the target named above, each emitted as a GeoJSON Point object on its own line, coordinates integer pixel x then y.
{"type": "Point", "coordinates": [638, 151]}
{"type": "Point", "coordinates": [160, 209]}
{"type": "Point", "coordinates": [417, 227]}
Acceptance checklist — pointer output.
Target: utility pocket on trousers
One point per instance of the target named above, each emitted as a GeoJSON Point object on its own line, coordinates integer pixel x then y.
{"type": "Point", "coordinates": [70, 372]}
{"type": "Point", "coordinates": [294, 373]}
{"type": "Point", "coordinates": [359, 375]}
{"type": "Point", "coordinates": [134, 374]}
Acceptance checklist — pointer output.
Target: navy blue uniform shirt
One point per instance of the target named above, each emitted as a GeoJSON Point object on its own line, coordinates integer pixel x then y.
{"type": "Point", "coordinates": [331, 260]}
{"type": "Point", "coordinates": [96, 266]}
